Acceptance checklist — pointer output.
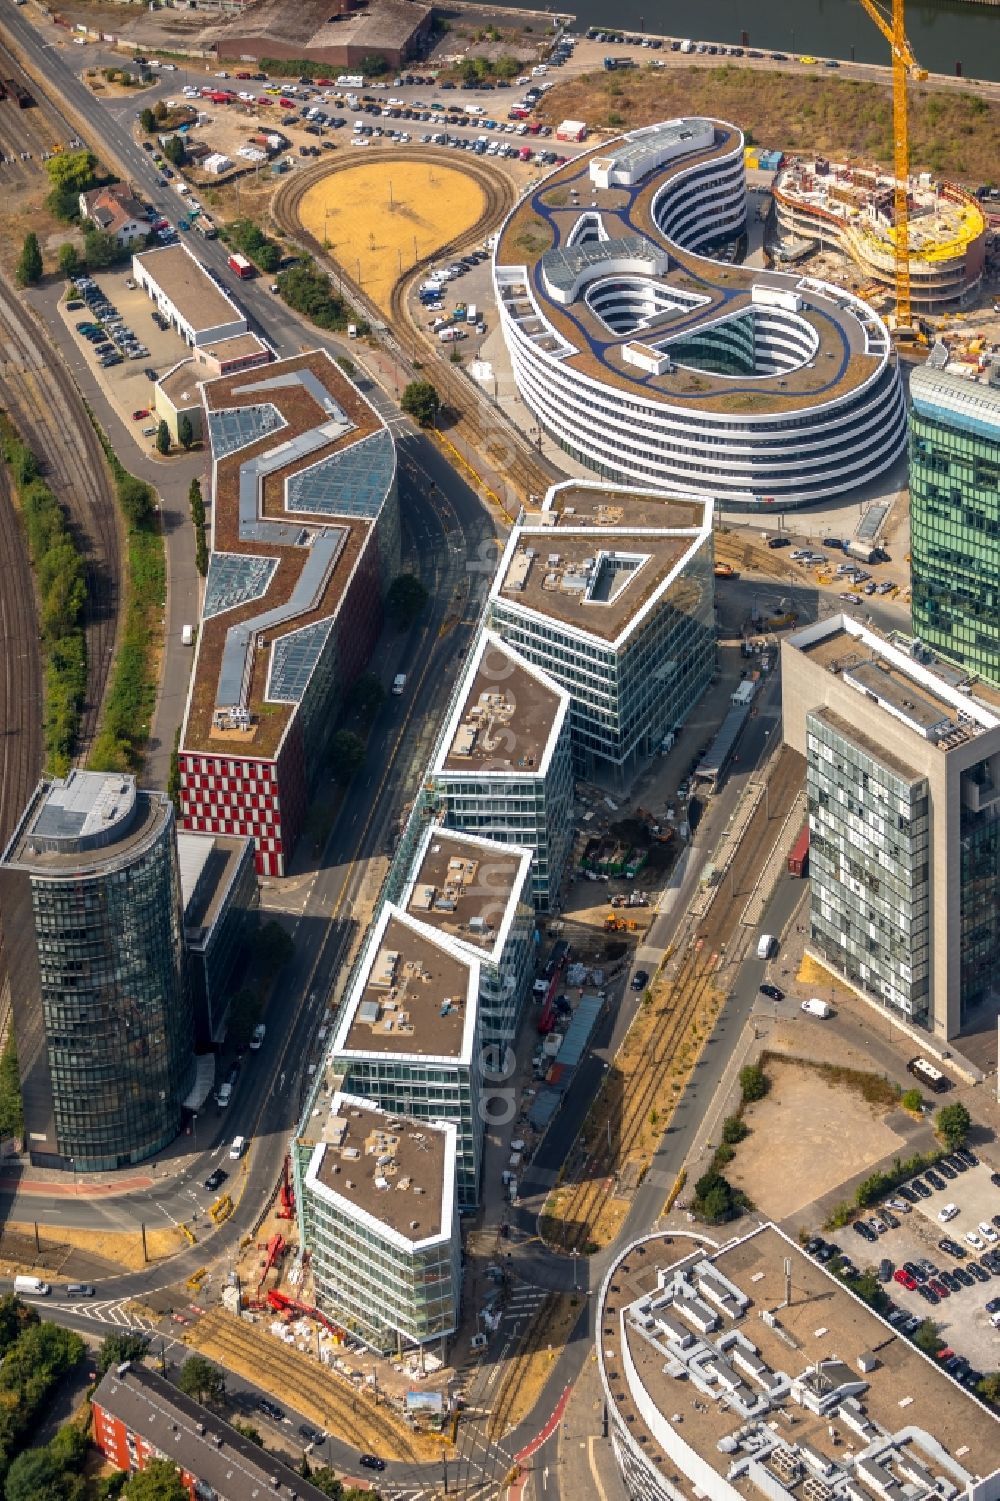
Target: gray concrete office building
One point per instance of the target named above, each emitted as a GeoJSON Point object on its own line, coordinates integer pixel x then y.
{"type": "Point", "coordinates": [90, 898]}
{"type": "Point", "coordinates": [903, 787]}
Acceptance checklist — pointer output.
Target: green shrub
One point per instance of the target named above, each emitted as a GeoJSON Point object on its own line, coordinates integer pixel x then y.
{"type": "Point", "coordinates": [734, 1130]}
{"type": "Point", "coordinates": [753, 1083]}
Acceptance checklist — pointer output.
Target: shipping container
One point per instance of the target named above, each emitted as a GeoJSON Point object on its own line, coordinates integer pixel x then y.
{"type": "Point", "coordinates": [798, 860]}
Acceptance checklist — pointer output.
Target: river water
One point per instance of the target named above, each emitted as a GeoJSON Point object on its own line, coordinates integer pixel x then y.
{"type": "Point", "coordinates": [940, 34]}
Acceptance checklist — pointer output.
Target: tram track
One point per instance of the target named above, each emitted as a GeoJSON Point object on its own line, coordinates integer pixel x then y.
{"type": "Point", "coordinates": [686, 993]}
{"type": "Point", "coordinates": [478, 422]}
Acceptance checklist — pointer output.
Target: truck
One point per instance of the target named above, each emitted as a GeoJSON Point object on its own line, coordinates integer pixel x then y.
{"type": "Point", "coordinates": [612, 64]}
{"type": "Point", "coordinates": [798, 859]}
{"type": "Point", "coordinates": [472, 313]}
{"type": "Point", "coordinates": [32, 1285]}
{"type": "Point", "coordinates": [399, 683]}
{"type": "Point", "coordinates": [240, 265]}
{"type": "Point", "coordinates": [744, 694]}
{"type": "Point", "coordinates": [862, 552]}
{"type": "Point", "coordinates": [206, 226]}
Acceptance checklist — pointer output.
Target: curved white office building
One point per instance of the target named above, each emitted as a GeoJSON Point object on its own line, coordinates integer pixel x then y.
{"type": "Point", "coordinates": [654, 363]}
{"type": "Point", "coordinates": [748, 1372]}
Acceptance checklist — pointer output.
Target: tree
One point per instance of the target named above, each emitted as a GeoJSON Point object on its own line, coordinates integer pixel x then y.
{"type": "Point", "coordinates": [136, 500]}
{"type": "Point", "coordinates": [162, 437]}
{"type": "Point", "coordinates": [953, 1123]}
{"type": "Point", "coordinates": [201, 552]}
{"type": "Point", "coordinates": [118, 1348]}
{"type": "Point", "coordinates": [196, 502]}
{"type": "Point", "coordinates": [185, 432]}
{"type": "Point", "coordinates": [69, 261]}
{"type": "Point", "coordinates": [159, 1481]}
{"type": "Point", "coordinates": [912, 1099]}
{"type": "Point", "coordinates": [734, 1130]}
{"type": "Point", "coordinates": [29, 267]}
{"type": "Point", "coordinates": [507, 66]}
{"type": "Point", "coordinates": [34, 1476]}
{"type": "Point", "coordinates": [173, 150]}
{"type": "Point", "coordinates": [405, 600]}
{"type": "Point", "coordinates": [346, 756]}
{"type": "Point", "coordinates": [367, 696]}
{"type": "Point", "coordinates": [421, 402]}
{"type": "Point", "coordinates": [100, 249]}
{"type": "Point", "coordinates": [148, 121]}
{"type": "Point", "coordinates": [928, 1337]}
{"type": "Point", "coordinates": [74, 170]}
{"type": "Point", "coordinates": [989, 1388]}
{"type": "Point", "coordinates": [753, 1083]}
{"type": "Point", "coordinates": [202, 1380]}
{"type": "Point", "coordinates": [327, 1481]}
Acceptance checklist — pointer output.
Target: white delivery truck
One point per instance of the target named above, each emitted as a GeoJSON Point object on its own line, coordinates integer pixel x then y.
{"type": "Point", "coordinates": [767, 945]}
{"type": "Point", "coordinates": [33, 1286]}
{"type": "Point", "coordinates": [472, 313]}
{"type": "Point", "coordinates": [399, 683]}
{"type": "Point", "coordinates": [744, 694]}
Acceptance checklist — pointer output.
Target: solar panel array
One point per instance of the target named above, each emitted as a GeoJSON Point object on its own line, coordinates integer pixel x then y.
{"type": "Point", "coordinates": [293, 659]}
{"type": "Point", "coordinates": [234, 579]}
{"type": "Point", "coordinates": [352, 482]}
{"type": "Point", "coordinates": [235, 427]}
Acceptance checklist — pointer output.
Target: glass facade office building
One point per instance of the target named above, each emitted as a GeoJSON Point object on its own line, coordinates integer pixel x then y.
{"type": "Point", "coordinates": [955, 518]}
{"type": "Point", "coordinates": [869, 851]}
{"type": "Point", "coordinates": [91, 900]}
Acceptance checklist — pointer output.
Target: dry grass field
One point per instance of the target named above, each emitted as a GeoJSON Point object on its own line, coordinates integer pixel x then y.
{"type": "Point", "coordinates": [378, 219]}
{"type": "Point", "coordinates": [956, 135]}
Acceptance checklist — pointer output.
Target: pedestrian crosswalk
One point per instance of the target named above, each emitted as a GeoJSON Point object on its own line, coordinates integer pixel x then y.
{"type": "Point", "coordinates": [111, 1311]}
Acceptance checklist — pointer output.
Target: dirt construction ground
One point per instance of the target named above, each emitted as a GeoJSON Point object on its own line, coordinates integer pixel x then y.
{"type": "Point", "coordinates": [821, 1133]}
{"type": "Point", "coordinates": [379, 219]}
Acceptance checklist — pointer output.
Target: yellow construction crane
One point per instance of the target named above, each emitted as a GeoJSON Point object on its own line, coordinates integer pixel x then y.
{"type": "Point", "coordinates": [893, 28]}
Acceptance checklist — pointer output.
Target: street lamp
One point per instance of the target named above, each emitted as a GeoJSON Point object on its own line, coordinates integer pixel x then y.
{"type": "Point", "coordinates": [576, 1261]}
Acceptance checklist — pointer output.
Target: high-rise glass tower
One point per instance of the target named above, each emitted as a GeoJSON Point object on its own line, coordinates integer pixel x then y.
{"type": "Point", "coordinates": [90, 902]}
{"type": "Point", "coordinates": [955, 518]}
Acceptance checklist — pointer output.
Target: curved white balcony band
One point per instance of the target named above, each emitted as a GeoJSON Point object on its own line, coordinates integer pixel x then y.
{"type": "Point", "coordinates": [656, 364]}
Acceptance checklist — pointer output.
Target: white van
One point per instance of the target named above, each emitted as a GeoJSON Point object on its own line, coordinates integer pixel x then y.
{"type": "Point", "coordinates": [223, 1095]}
{"type": "Point", "coordinates": [399, 683]}
{"type": "Point", "coordinates": [257, 1040]}
{"type": "Point", "coordinates": [815, 1007]}
{"type": "Point", "coordinates": [767, 945]}
{"type": "Point", "coordinates": [687, 46]}
{"type": "Point", "coordinates": [187, 635]}
{"type": "Point", "coordinates": [238, 1147]}
{"type": "Point", "coordinates": [34, 1286]}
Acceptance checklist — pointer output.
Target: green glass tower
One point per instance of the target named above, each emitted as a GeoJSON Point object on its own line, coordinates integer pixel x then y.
{"type": "Point", "coordinates": [955, 518]}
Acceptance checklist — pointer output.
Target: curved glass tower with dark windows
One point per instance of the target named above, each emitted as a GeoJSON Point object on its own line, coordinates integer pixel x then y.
{"type": "Point", "coordinates": [91, 908]}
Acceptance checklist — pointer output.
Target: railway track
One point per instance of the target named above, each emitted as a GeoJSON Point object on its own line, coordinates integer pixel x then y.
{"type": "Point", "coordinates": [21, 673]}
{"type": "Point", "coordinates": [45, 406]}
{"type": "Point", "coordinates": [478, 421]}
{"type": "Point", "coordinates": [322, 1396]}
{"type": "Point", "coordinates": [688, 995]}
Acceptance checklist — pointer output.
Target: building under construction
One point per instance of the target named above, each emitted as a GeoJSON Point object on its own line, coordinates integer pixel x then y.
{"type": "Point", "coordinates": [850, 208]}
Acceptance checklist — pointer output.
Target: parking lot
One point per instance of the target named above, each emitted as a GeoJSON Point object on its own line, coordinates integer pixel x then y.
{"type": "Point", "coordinates": [916, 1235]}
{"type": "Point", "coordinates": [128, 383]}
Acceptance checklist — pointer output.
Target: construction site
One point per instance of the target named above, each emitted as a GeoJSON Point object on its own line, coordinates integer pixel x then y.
{"type": "Point", "coordinates": [850, 208]}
